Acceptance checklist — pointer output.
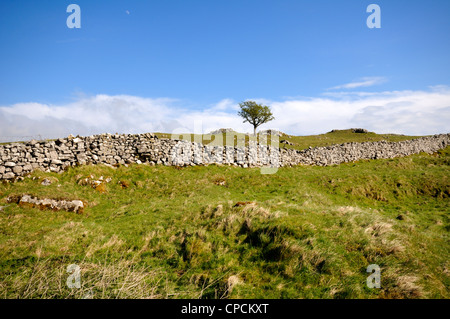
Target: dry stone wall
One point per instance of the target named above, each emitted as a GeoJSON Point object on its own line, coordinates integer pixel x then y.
{"type": "Point", "coordinates": [18, 159]}
{"type": "Point", "coordinates": [349, 152]}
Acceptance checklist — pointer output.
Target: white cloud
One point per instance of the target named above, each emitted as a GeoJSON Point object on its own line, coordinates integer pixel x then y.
{"type": "Point", "coordinates": [402, 112]}
{"type": "Point", "coordinates": [364, 82]}
{"type": "Point", "coordinates": [91, 115]}
{"type": "Point", "coordinates": [225, 105]}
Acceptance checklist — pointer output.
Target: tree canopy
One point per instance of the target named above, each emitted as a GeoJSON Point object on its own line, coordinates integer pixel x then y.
{"type": "Point", "coordinates": [255, 114]}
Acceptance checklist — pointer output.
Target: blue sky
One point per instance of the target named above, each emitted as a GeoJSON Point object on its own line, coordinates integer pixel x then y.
{"type": "Point", "coordinates": [198, 56]}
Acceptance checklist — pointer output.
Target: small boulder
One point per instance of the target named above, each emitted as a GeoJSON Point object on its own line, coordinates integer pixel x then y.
{"type": "Point", "coordinates": [76, 206]}
{"type": "Point", "coordinates": [9, 175]}
{"type": "Point", "coordinates": [286, 142]}
{"type": "Point", "coordinates": [17, 169]}
{"type": "Point", "coordinates": [46, 182]}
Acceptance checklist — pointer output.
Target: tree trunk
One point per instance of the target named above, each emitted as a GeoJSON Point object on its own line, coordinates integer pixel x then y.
{"type": "Point", "coordinates": [254, 130]}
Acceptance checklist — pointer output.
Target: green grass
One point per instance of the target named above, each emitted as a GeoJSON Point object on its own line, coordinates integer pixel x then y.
{"type": "Point", "coordinates": [165, 232]}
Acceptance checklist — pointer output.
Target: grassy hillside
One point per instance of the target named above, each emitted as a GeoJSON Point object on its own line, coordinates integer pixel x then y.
{"type": "Point", "coordinates": [227, 232]}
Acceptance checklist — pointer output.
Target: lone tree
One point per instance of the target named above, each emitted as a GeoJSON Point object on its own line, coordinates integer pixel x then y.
{"type": "Point", "coordinates": [255, 114]}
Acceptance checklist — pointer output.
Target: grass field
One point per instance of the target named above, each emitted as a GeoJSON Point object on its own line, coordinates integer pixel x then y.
{"type": "Point", "coordinates": [229, 232]}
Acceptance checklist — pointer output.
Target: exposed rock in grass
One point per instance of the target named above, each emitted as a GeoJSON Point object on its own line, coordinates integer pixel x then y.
{"type": "Point", "coordinates": [97, 184]}
{"type": "Point", "coordinates": [221, 130]}
{"type": "Point", "coordinates": [76, 206]}
{"type": "Point", "coordinates": [220, 181]}
{"type": "Point", "coordinates": [272, 132]}
{"type": "Point", "coordinates": [286, 142]}
{"type": "Point", "coordinates": [46, 182]}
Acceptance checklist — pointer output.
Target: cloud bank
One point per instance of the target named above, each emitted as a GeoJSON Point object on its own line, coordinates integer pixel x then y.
{"type": "Point", "coordinates": [403, 112]}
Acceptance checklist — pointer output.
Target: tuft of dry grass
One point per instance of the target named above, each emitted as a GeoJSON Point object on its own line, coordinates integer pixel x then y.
{"type": "Point", "coordinates": [401, 286]}
{"type": "Point", "coordinates": [232, 282]}
{"type": "Point", "coordinates": [408, 287]}
{"type": "Point", "coordinates": [378, 229]}
{"type": "Point", "coordinates": [122, 279]}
